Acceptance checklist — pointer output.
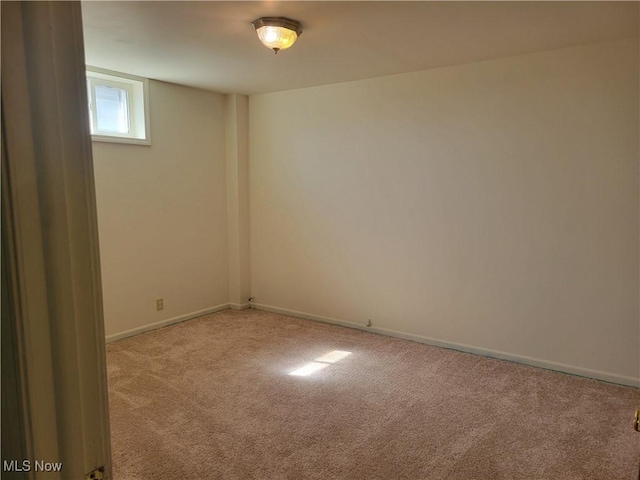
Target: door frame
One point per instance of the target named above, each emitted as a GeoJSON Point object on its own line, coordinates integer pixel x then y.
{"type": "Point", "coordinates": [51, 263]}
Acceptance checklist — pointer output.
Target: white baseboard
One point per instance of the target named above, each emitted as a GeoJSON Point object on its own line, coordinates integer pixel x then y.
{"type": "Point", "coordinates": [165, 323]}
{"type": "Point", "coordinates": [534, 362]}
{"type": "Point", "coordinates": [239, 306]}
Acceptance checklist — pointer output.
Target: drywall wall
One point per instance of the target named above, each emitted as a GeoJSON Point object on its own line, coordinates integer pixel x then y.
{"type": "Point", "coordinates": [162, 213]}
{"type": "Point", "coordinates": [491, 205]}
{"type": "Point", "coordinates": [237, 143]}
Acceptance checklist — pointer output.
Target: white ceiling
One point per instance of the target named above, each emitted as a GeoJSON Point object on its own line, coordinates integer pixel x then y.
{"type": "Point", "coordinates": [212, 45]}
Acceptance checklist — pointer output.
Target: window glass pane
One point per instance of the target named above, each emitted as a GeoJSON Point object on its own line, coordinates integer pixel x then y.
{"type": "Point", "coordinates": [91, 127]}
{"type": "Point", "coordinates": [112, 111]}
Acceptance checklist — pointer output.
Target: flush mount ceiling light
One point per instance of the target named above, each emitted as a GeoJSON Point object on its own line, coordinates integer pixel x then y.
{"type": "Point", "coordinates": [277, 33]}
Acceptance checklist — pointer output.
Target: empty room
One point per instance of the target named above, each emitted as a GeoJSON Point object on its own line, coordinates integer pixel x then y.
{"type": "Point", "coordinates": [324, 240]}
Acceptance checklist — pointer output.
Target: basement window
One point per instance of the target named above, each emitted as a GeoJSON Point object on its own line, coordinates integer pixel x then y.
{"type": "Point", "coordinates": [118, 107]}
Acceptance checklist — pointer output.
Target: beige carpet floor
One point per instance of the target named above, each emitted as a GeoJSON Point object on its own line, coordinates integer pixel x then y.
{"type": "Point", "coordinates": [213, 398]}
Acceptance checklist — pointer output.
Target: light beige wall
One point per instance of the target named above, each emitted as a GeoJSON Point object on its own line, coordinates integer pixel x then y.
{"type": "Point", "coordinates": [237, 142]}
{"type": "Point", "coordinates": [492, 205]}
{"type": "Point", "coordinates": [162, 213]}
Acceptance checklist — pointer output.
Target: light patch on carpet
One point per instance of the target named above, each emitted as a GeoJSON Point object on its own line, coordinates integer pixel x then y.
{"type": "Point", "coordinates": [308, 369]}
{"type": "Point", "coordinates": [320, 363]}
{"type": "Point", "coordinates": [333, 357]}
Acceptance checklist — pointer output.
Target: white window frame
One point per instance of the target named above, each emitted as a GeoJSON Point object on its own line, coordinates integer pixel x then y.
{"type": "Point", "coordinates": [137, 89]}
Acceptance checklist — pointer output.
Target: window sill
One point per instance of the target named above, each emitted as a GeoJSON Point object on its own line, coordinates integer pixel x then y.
{"type": "Point", "coordinates": [129, 141]}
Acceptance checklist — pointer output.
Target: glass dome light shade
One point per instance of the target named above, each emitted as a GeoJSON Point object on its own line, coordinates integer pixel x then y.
{"type": "Point", "coordinates": [277, 38]}
{"type": "Point", "coordinates": [277, 33]}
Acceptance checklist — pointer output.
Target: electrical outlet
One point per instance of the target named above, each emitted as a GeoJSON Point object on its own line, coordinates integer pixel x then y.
{"type": "Point", "coordinates": [159, 304]}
